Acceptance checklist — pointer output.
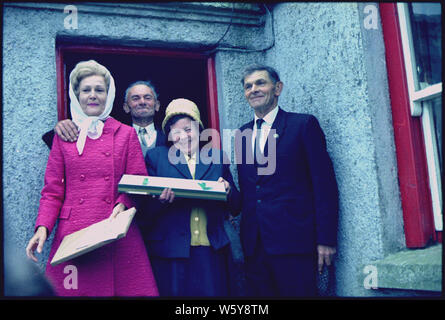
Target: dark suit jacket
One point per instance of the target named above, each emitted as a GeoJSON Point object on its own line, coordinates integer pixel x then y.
{"type": "Point", "coordinates": [296, 207]}
{"type": "Point", "coordinates": [166, 227]}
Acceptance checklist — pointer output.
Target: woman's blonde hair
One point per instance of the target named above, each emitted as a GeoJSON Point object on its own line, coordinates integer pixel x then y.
{"type": "Point", "coordinates": [85, 69]}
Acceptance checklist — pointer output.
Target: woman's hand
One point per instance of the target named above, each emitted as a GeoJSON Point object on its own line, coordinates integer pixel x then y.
{"type": "Point", "coordinates": [36, 241]}
{"type": "Point", "coordinates": [167, 195]}
{"type": "Point", "coordinates": [120, 207]}
{"type": "Point", "coordinates": [226, 184]}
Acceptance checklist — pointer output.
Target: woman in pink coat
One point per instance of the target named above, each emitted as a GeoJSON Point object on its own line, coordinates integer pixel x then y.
{"type": "Point", "coordinates": [81, 189]}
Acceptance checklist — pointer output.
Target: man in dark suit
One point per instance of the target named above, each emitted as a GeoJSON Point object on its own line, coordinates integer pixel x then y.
{"type": "Point", "coordinates": [289, 193]}
{"type": "Point", "coordinates": [141, 102]}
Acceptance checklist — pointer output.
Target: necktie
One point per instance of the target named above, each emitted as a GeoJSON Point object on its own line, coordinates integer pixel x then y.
{"type": "Point", "coordinates": [257, 148]}
{"type": "Point", "coordinates": [141, 135]}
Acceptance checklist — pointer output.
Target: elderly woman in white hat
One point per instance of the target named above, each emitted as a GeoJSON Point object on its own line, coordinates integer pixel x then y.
{"type": "Point", "coordinates": [186, 240]}
{"type": "Point", "coordinates": [81, 189]}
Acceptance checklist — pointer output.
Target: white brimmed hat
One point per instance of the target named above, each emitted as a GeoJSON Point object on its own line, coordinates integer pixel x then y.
{"type": "Point", "coordinates": [182, 106]}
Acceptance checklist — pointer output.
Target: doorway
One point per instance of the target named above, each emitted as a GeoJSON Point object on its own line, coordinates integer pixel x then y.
{"type": "Point", "coordinates": [175, 74]}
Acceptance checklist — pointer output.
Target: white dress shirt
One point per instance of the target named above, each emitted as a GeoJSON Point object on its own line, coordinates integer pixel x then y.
{"type": "Point", "coordinates": [265, 128]}
{"type": "Point", "coordinates": [150, 136]}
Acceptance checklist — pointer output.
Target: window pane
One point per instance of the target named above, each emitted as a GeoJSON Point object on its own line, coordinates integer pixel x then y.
{"type": "Point", "coordinates": [426, 31]}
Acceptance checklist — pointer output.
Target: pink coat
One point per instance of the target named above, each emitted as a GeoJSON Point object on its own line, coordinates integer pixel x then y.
{"type": "Point", "coordinates": [82, 190]}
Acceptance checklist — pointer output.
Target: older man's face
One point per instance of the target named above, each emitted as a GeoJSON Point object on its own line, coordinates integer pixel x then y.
{"type": "Point", "coordinates": [141, 102]}
{"type": "Point", "coordinates": [260, 91]}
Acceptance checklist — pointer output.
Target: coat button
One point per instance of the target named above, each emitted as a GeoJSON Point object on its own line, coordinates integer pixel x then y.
{"type": "Point", "coordinates": [107, 154]}
{"type": "Point", "coordinates": [107, 178]}
{"type": "Point", "coordinates": [107, 200]}
{"type": "Point", "coordinates": [82, 177]}
{"type": "Point", "coordinates": [81, 200]}
{"type": "Point", "coordinates": [258, 201]}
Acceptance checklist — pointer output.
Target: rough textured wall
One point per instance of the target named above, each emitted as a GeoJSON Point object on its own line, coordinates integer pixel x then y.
{"type": "Point", "coordinates": [335, 69]}
{"type": "Point", "coordinates": [29, 110]}
{"type": "Point", "coordinates": [379, 106]}
{"type": "Point", "coordinates": [29, 77]}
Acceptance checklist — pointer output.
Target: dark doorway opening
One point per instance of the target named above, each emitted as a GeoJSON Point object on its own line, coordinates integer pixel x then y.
{"type": "Point", "coordinates": [173, 77]}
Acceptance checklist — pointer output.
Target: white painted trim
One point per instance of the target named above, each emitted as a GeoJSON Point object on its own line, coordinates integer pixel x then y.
{"type": "Point", "coordinates": [432, 157]}
{"type": "Point", "coordinates": [408, 55]}
{"type": "Point", "coordinates": [428, 93]}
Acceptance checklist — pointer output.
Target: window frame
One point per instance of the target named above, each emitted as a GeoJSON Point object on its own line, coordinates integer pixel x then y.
{"type": "Point", "coordinates": [211, 90]}
{"type": "Point", "coordinates": [420, 104]}
{"type": "Point", "coordinates": [409, 138]}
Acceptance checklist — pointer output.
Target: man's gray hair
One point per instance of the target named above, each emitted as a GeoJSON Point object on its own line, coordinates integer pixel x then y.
{"type": "Point", "coordinates": [140, 82]}
{"type": "Point", "coordinates": [273, 74]}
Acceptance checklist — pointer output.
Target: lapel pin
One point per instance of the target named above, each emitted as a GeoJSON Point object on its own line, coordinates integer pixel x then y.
{"type": "Point", "coordinates": [276, 135]}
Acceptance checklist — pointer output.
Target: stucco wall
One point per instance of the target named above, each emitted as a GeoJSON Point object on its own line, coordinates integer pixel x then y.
{"type": "Point", "coordinates": [334, 68]}
{"type": "Point", "coordinates": [29, 110]}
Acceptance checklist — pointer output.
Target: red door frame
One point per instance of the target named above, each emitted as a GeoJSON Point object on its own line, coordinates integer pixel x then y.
{"type": "Point", "coordinates": [61, 49]}
{"type": "Point", "coordinates": [410, 149]}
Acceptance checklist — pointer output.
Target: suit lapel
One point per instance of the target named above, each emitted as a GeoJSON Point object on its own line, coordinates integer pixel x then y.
{"type": "Point", "coordinates": [182, 166]}
{"type": "Point", "coordinates": [144, 150]}
{"type": "Point", "coordinates": [246, 152]}
{"type": "Point", "coordinates": [277, 129]}
{"type": "Point", "coordinates": [201, 168]}
{"type": "Point", "coordinates": [160, 138]}
{"type": "Point", "coordinates": [276, 132]}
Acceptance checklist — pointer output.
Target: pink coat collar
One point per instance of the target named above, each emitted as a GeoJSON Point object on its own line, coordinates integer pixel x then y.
{"type": "Point", "coordinates": [112, 125]}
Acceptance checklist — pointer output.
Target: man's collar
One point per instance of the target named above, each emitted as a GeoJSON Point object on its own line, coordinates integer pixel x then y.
{"type": "Point", "coordinates": [270, 117]}
{"type": "Point", "coordinates": [192, 157]}
{"type": "Point", "coordinates": [149, 128]}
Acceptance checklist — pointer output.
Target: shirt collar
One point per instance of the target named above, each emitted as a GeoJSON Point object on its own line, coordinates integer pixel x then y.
{"type": "Point", "coordinates": [149, 128]}
{"type": "Point", "coordinates": [270, 117]}
{"type": "Point", "coordinates": [192, 157]}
